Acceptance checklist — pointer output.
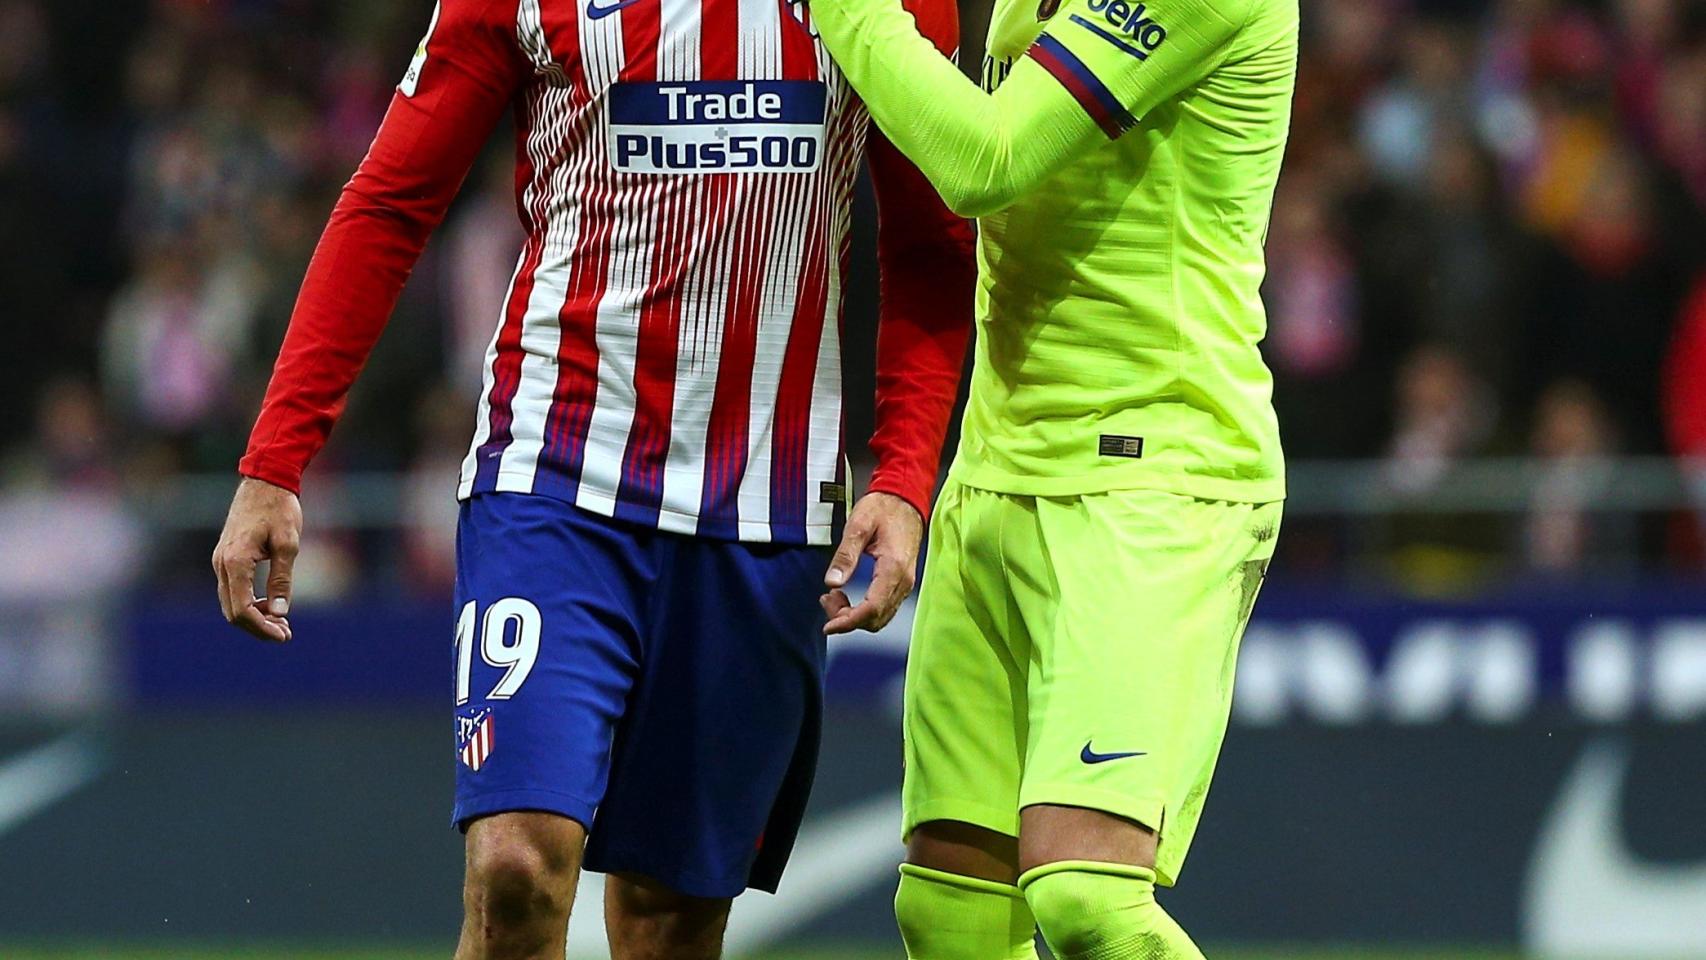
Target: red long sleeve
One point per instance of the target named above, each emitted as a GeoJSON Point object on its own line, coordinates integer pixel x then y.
{"type": "Point", "coordinates": [928, 279]}
{"type": "Point", "coordinates": [456, 90]}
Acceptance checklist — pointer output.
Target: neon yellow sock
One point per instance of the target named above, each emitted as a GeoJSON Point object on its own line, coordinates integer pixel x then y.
{"type": "Point", "coordinates": [1103, 911]}
{"type": "Point", "coordinates": [946, 916]}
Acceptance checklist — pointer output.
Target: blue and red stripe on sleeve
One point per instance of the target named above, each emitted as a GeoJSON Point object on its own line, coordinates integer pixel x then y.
{"type": "Point", "coordinates": [1093, 95]}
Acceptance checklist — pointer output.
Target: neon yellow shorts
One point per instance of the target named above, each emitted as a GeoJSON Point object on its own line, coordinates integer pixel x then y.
{"type": "Point", "coordinates": [1078, 651]}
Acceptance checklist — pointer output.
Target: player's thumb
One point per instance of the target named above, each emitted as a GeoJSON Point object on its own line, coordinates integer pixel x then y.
{"type": "Point", "coordinates": [283, 560]}
{"type": "Point", "coordinates": [853, 541]}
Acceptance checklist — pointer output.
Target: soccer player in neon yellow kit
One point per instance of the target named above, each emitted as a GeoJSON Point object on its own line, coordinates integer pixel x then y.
{"type": "Point", "coordinates": [1114, 503]}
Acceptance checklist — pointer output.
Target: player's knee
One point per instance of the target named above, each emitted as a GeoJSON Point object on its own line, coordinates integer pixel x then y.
{"type": "Point", "coordinates": [949, 916]}
{"type": "Point", "coordinates": [517, 884]}
{"type": "Point", "coordinates": [1063, 916]}
{"type": "Point", "coordinates": [1096, 910]}
{"type": "Point", "coordinates": [647, 920]}
{"type": "Point", "coordinates": [915, 910]}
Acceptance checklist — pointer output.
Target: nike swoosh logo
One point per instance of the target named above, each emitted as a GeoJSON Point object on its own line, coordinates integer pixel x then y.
{"type": "Point", "coordinates": [1588, 895]}
{"type": "Point", "coordinates": [596, 12]}
{"type": "Point", "coordinates": [1090, 756]}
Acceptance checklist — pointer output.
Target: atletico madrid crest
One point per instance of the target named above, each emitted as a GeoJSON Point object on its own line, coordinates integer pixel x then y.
{"type": "Point", "coordinates": [474, 738]}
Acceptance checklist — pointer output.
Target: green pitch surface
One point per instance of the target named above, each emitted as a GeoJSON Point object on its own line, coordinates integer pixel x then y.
{"type": "Point", "coordinates": [285, 953]}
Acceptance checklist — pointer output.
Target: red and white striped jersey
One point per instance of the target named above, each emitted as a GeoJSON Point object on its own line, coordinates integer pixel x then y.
{"type": "Point", "coordinates": [668, 351]}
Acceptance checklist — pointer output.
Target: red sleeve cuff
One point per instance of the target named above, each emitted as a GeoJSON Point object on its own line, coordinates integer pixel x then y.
{"type": "Point", "coordinates": [917, 495]}
{"type": "Point", "coordinates": [271, 470]}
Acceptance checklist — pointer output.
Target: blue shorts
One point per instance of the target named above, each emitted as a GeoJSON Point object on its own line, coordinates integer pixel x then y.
{"type": "Point", "coordinates": [665, 691]}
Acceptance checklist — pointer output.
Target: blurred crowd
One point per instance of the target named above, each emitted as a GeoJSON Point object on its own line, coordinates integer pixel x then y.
{"type": "Point", "coordinates": [1489, 240]}
{"type": "Point", "coordinates": [1495, 209]}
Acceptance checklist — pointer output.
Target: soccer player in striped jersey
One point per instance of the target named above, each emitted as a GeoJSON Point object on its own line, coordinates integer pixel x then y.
{"type": "Point", "coordinates": [1115, 499]}
{"type": "Point", "coordinates": [656, 467]}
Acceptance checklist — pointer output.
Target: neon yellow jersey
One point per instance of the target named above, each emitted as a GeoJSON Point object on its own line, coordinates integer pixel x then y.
{"type": "Point", "coordinates": [1122, 160]}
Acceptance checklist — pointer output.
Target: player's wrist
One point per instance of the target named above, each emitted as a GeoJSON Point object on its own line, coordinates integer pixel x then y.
{"type": "Point", "coordinates": [260, 486]}
{"type": "Point", "coordinates": [911, 495]}
{"type": "Point", "coordinates": [271, 471]}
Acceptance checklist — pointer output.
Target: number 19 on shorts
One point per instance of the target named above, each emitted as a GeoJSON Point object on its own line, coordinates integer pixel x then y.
{"type": "Point", "coordinates": [507, 637]}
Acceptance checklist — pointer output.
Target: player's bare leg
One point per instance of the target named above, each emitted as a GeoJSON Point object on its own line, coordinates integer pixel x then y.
{"type": "Point", "coordinates": [1089, 878]}
{"type": "Point", "coordinates": [519, 885]}
{"type": "Point", "coordinates": [958, 898]}
{"type": "Point", "coordinates": [646, 920]}
{"type": "Point", "coordinates": [1049, 833]}
{"type": "Point", "coordinates": [964, 849]}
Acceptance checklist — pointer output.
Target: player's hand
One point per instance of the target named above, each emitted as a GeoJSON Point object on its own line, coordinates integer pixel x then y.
{"type": "Point", "coordinates": [265, 523]}
{"type": "Point", "coordinates": [889, 529]}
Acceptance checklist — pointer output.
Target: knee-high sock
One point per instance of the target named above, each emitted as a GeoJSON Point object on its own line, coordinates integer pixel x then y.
{"type": "Point", "coordinates": [1103, 911]}
{"type": "Point", "coordinates": [946, 916]}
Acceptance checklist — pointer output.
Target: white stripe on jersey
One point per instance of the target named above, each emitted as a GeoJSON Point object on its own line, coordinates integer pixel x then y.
{"type": "Point", "coordinates": [530, 34]}
{"type": "Point", "coordinates": [823, 448]}
{"type": "Point", "coordinates": [541, 328]}
{"type": "Point", "coordinates": [618, 317]}
{"type": "Point", "coordinates": [823, 451]}
{"type": "Point", "coordinates": [530, 37]}
{"type": "Point", "coordinates": [678, 44]}
{"type": "Point", "coordinates": [704, 297]}
{"type": "Point", "coordinates": [791, 202]}
{"type": "Point", "coordinates": [788, 200]}
{"type": "Point", "coordinates": [483, 421]}
{"type": "Point", "coordinates": [760, 49]}
{"type": "Point", "coordinates": [601, 49]}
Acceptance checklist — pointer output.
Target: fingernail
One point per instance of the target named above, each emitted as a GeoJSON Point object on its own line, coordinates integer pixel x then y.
{"type": "Point", "coordinates": [280, 606]}
{"type": "Point", "coordinates": [837, 576]}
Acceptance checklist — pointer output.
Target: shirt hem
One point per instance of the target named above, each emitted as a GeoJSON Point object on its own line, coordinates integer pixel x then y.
{"type": "Point", "coordinates": [669, 521]}
{"type": "Point", "coordinates": [995, 480]}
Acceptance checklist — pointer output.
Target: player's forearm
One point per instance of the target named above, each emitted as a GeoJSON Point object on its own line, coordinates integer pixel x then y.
{"type": "Point", "coordinates": [374, 236]}
{"type": "Point", "coordinates": [353, 281]}
{"type": "Point", "coordinates": [917, 380]}
{"type": "Point", "coordinates": [921, 345]}
{"type": "Point", "coordinates": [980, 150]}
{"type": "Point", "coordinates": [430, 137]}
{"type": "Point", "coordinates": [928, 274]}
